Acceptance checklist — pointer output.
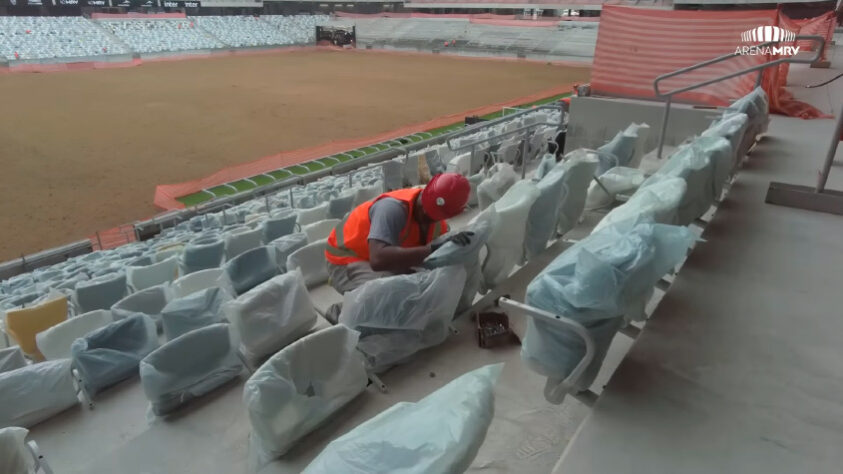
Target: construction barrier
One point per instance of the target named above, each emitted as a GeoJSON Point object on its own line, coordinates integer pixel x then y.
{"type": "Point", "coordinates": [636, 45]}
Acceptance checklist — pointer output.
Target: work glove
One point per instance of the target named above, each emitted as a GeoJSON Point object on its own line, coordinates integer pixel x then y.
{"type": "Point", "coordinates": [460, 238]}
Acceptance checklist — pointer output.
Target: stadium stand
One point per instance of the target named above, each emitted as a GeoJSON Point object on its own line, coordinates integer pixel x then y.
{"type": "Point", "coordinates": [43, 37]}
{"type": "Point", "coordinates": [160, 35]}
{"type": "Point", "coordinates": [242, 31]}
{"type": "Point", "coordinates": [299, 28]}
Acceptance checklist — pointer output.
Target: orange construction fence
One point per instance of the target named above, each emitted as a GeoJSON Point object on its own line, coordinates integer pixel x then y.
{"type": "Point", "coordinates": [166, 194]}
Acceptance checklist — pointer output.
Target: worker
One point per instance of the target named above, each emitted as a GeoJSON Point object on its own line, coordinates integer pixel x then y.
{"type": "Point", "coordinates": [395, 232]}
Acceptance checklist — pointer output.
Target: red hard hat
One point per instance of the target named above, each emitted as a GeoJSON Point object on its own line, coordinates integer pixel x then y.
{"type": "Point", "coordinates": [445, 196]}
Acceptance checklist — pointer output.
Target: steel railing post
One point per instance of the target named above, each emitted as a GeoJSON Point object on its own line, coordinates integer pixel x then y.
{"type": "Point", "coordinates": [664, 124]}
{"type": "Point", "coordinates": [832, 150]}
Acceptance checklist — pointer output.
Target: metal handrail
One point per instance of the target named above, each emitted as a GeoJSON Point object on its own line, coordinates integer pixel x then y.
{"type": "Point", "coordinates": [668, 96]}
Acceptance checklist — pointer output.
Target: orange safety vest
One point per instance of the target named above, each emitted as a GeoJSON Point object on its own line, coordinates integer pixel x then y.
{"type": "Point", "coordinates": [349, 241]}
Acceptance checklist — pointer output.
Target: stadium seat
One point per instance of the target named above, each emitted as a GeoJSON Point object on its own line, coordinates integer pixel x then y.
{"type": "Point", "coordinates": [313, 214]}
{"type": "Point", "coordinates": [149, 302]}
{"type": "Point", "coordinates": [505, 247]}
{"type": "Point", "coordinates": [197, 310]}
{"type": "Point", "coordinates": [284, 246]}
{"type": "Point", "coordinates": [196, 281]}
{"type": "Point", "coordinates": [502, 177]}
{"type": "Point", "coordinates": [579, 166]}
{"type": "Point", "coordinates": [189, 366]}
{"type": "Point", "coordinates": [23, 324]}
{"type": "Point", "coordinates": [241, 239]}
{"type": "Point", "coordinates": [99, 293]}
{"type": "Point", "coordinates": [54, 343]}
{"type": "Point", "coordinates": [340, 205]}
{"type": "Point", "coordinates": [11, 358]}
{"type": "Point", "coordinates": [300, 388]}
{"type": "Point", "coordinates": [271, 315]}
{"type": "Point", "coordinates": [33, 393]}
{"type": "Point", "coordinates": [659, 202]}
{"type": "Point", "coordinates": [250, 269]}
{"type": "Point", "coordinates": [202, 253]}
{"type": "Point", "coordinates": [541, 222]}
{"type": "Point", "coordinates": [164, 271]}
{"type": "Point", "coordinates": [112, 353]}
{"type": "Point", "coordinates": [366, 194]}
{"type": "Point", "coordinates": [319, 230]}
{"type": "Point", "coordinates": [310, 260]}
{"type": "Point", "coordinates": [279, 224]}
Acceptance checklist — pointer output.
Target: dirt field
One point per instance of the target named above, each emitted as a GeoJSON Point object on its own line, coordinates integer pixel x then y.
{"type": "Point", "coordinates": [82, 151]}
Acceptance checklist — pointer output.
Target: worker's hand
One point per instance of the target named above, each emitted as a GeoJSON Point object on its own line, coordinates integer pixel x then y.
{"type": "Point", "coordinates": [460, 238]}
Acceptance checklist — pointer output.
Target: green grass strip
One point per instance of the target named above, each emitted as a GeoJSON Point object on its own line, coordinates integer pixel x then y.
{"type": "Point", "coordinates": [242, 185]}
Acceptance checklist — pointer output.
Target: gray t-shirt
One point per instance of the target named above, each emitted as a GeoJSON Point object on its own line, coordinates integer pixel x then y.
{"type": "Point", "coordinates": [388, 217]}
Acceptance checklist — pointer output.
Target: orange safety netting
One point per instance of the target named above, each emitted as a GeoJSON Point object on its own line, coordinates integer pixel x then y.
{"type": "Point", "coordinates": [166, 194]}
{"type": "Point", "coordinates": [636, 45]}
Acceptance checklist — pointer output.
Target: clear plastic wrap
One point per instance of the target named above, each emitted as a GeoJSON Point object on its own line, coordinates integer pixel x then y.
{"type": "Point", "coordinates": [505, 247]}
{"type": "Point", "coordinates": [100, 292]}
{"type": "Point", "coordinates": [494, 187]}
{"type": "Point", "coordinates": [690, 163]}
{"type": "Point", "coordinates": [15, 457]}
{"type": "Point", "coordinates": [284, 246]}
{"type": "Point", "coordinates": [541, 222]}
{"type": "Point", "coordinates": [36, 392]}
{"type": "Point", "coordinates": [658, 202]}
{"type": "Point", "coordinates": [197, 310]}
{"type": "Point", "coordinates": [580, 166]}
{"type": "Point", "coordinates": [11, 358]}
{"type": "Point", "coordinates": [249, 269]}
{"type": "Point", "coordinates": [310, 260]}
{"type": "Point", "coordinates": [150, 302]}
{"type": "Point", "coordinates": [616, 181]}
{"type": "Point", "coordinates": [440, 433]}
{"type": "Point", "coordinates": [55, 342]}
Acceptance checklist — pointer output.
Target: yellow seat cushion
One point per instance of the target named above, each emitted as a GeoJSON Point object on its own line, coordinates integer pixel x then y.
{"type": "Point", "coordinates": [23, 324]}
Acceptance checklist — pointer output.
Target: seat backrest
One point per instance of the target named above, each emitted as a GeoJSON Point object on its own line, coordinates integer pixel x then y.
{"type": "Point", "coordinates": [196, 281]}
{"type": "Point", "coordinates": [279, 224]}
{"type": "Point", "coordinates": [364, 194]}
{"type": "Point", "coordinates": [196, 310]}
{"type": "Point", "coordinates": [496, 185]}
{"type": "Point", "coordinates": [202, 254]}
{"type": "Point", "coordinates": [393, 174]}
{"type": "Point", "coordinates": [11, 358]}
{"type": "Point", "coordinates": [658, 202]}
{"type": "Point", "coordinates": [340, 205]}
{"type": "Point", "coordinates": [100, 293]}
{"type": "Point", "coordinates": [300, 387]}
{"type": "Point", "coordinates": [319, 230]}
{"type": "Point", "coordinates": [286, 245]}
{"type": "Point", "coordinates": [141, 278]}
{"type": "Point", "coordinates": [505, 247]}
{"type": "Point", "coordinates": [55, 342]}
{"type": "Point", "coordinates": [541, 222]}
{"type": "Point", "coordinates": [16, 457]}
{"type": "Point", "coordinates": [189, 366]}
{"type": "Point", "coordinates": [23, 324]}
{"type": "Point", "coordinates": [240, 240]}
{"type": "Point", "coordinates": [149, 302]}
{"type": "Point", "coordinates": [310, 260]}
{"type": "Point", "coordinates": [580, 166]}
{"type": "Point", "coordinates": [251, 268]}
{"type": "Point", "coordinates": [313, 214]}
{"type": "Point", "coordinates": [36, 392]}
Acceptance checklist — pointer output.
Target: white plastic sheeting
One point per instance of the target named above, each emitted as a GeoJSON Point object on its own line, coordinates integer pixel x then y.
{"type": "Point", "coordinates": [541, 222]}
{"type": "Point", "coordinates": [319, 230]}
{"type": "Point", "coordinates": [99, 293]}
{"type": "Point", "coordinates": [11, 358]}
{"type": "Point", "coordinates": [580, 166]}
{"type": "Point", "coordinates": [440, 433]}
{"type": "Point", "coordinates": [189, 366]}
{"type": "Point", "coordinates": [505, 247]}
{"type": "Point", "coordinates": [240, 240]}
{"type": "Point", "coordinates": [546, 164]}
{"type": "Point", "coordinates": [286, 245]}
{"type": "Point", "coordinates": [141, 278]}
{"type": "Point", "coordinates": [271, 315]}
{"type": "Point", "coordinates": [756, 106]}
{"type": "Point", "coordinates": [314, 214]}
{"type": "Point", "coordinates": [197, 310]}
{"type": "Point", "coordinates": [310, 260]}
{"type": "Point", "coordinates": [623, 149]}
{"type": "Point", "coordinates": [201, 254]}
{"type": "Point", "coordinates": [36, 392]}
{"type": "Point", "coordinates": [112, 353]}
{"type": "Point", "coordinates": [55, 342]}
{"type": "Point", "coordinates": [721, 154]}
{"type": "Point", "coordinates": [658, 202]}
{"type": "Point", "coordinates": [279, 224]}
{"type": "Point", "coordinates": [197, 281]}
{"type": "Point", "coordinates": [596, 282]}
{"type": "Point", "coordinates": [301, 387]}
{"type": "Point", "coordinates": [366, 194]}
{"type": "Point", "coordinates": [617, 180]}
{"type": "Point", "coordinates": [249, 269]}
{"type": "Point", "coordinates": [15, 457]}
{"type": "Point", "coordinates": [733, 127]}
{"type": "Point", "coordinates": [400, 315]}
{"type": "Point", "coordinates": [493, 188]}
{"type": "Point", "coordinates": [150, 302]}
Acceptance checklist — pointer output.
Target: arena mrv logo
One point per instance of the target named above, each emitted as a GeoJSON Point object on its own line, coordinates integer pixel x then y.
{"type": "Point", "coordinates": [765, 34]}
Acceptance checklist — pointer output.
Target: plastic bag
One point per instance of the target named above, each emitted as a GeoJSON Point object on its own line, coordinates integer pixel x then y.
{"type": "Point", "coordinates": [622, 149]}
{"type": "Point", "coordinates": [112, 353]}
{"type": "Point", "coordinates": [189, 366]}
{"type": "Point", "coordinates": [286, 245]}
{"type": "Point", "coordinates": [300, 388]}
{"type": "Point", "coordinates": [733, 127]}
{"type": "Point", "coordinates": [440, 433]}
{"type": "Point", "coordinates": [596, 282]}
{"type": "Point", "coordinates": [197, 310]}
{"type": "Point", "coordinates": [36, 392]}
{"type": "Point", "coordinates": [659, 202]}
{"type": "Point", "coordinates": [271, 315]}
{"type": "Point", "coordinates": [15, 457]}
{"type": "Point", "coordinates": [541, 222]}
{"type": "Point", "coordinates": [202, 254]}
{"type": "Point", "coordinates": [506, 243]}
{"type": "Point", "coordinates": [615, 181]}
{"type": "Point", "coordinates": [493, 188]}
{"type": "Point", "coordinates": [719, 152]}
{"type": "Point", "coordinates": [691, 164]}
{"type": "Point", "coordinates": [400, 315]}
{"type": "Point", "coordinates": [579, 166]}
{"type": "Point", "coordinates": [55, 342]}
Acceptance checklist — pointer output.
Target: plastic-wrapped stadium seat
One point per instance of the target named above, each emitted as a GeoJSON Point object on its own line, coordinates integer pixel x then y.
{"type": "Point", "coordinates": [719, 151]}
{"type": "Point", "coordinates": [300, 388]}
{"type": "Point", "coordinates": [310, 260]}
{"type": "Point", "coordinates": [271, 315]}
{"type": "Point", "coordinates": [622, 149]}
{"type": "Point", "coordinates": [494, 187]}
{"type": "Point", "coordinates": [505, 246]}
{"type": "Point", "coordinates": [366, 194]}
{"type": "Point", "coordinates": [197, 310]}
{"type": "Point", "coordinates": [150, 302]}
{"type": "Point", "coordinates": [112, 353]}
{"type": "Point", "coordinates": [691, 164]}
{"type": "Point", "coordinates": [240, 240]}
{"type": "Point", "coordinates": [15, 456]}
{"type": "Point", "coordinates": [250, 269]}
{"type": "Point", "coordinates": [286, 245]}
{"type": "Point", "coordinates": [36, 392]}
{"type": "Point", "coordinates": [319, 230]}
{"type": "Point", "coordinates": [579, 166]}
{"type": "Point", "coordinates": [411, 170]}
{"type": "Point", "coordinates": [202, 254]}
{"type": "Point", "coordinates": [189, 366]}
{"type": "Point", "coordinates": [400, 315]}
{"type": "Point", "coordinates": [141, 278]}
{"type": "Point", "coordinates": [440, 433]}
{"type": "Point", "coordinates": [547, 163]}
{"type": "Point", "coordinates": [340, 205]}
{"type": "Point", "coordinates": [474, 181]}
{"type": "Point", "coordinates": [657, 203]}
{"type": "Point", "coordinates": [613, 182]}
{"type": "Point", "coordinates": [167, 251]}
{"type": "Point", "coordinates": [733, 127]}
{"type": "Point", "coordinates": [23, 324]}
{"type": "Point", "coordinates": [197, 281]}
{"type": "Point", "coordinates": [100, 293]}
{"type": "Point", "coordinates": [55, 342]}
{"type": "Point", "coordinates": [279, 224]}
{"type": "Point", "coordinates": [541, 222]}
{"type": "Point", "coordinates": [393, 174]}
{"type": "Point", "coordinates": [314, 214]}
{"type": "Point", "coordinates": [460, 164]}
{"type": "Point", "coordinates": [756, 106]}
{"type": "Point", "coordinates": [596, 282]}
{"type": "Point", "coordinates": [11, 358]}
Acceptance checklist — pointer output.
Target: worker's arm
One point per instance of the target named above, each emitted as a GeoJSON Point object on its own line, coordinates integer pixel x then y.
{"type": "Point", "coordinates": [392, 258]}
